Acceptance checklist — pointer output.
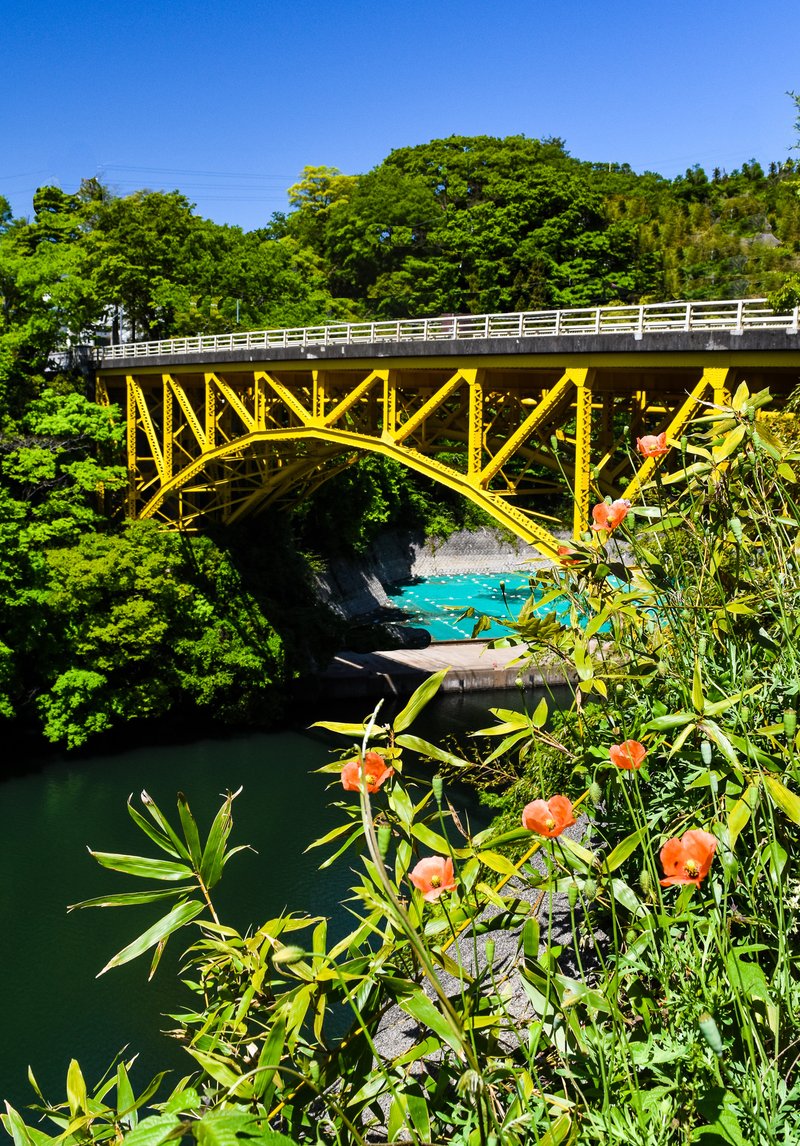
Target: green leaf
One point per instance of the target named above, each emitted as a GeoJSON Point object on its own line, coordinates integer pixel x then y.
{"type": "Point", "coordinates": [788, 801]}
{"type": "Point", "coordinates": [420, 1007]}
{"type": "Point", "coordinates": [190, 831]}
{"type": "Point", "coordinates": [425, 693]}
{"type": "Point", "coordinates": [163, 823]}
{"type": "Point", "coordinates": [729, 446]}
{"type": "Point", "coordinates": [356, 730]}
{"type": "Point", "coordinates": [143, 867]}
{"type": "Point", "coordinates": [666, 723]}
{"type": "Point", "coordinates": [154, 834]}
{"type": "Point", "coordinates": [126, 1103]}
{"type": "Point", "coordinates": [213, 859]}
{"type": "Point", "coordinates": [740, 813]}
{"type": "Point", "coordinates": [153, 1131]}
{"type": "Point", "coordinates": [698, 699]}
{"type": "Point", "coordinates": [624, 849]}
{"type": "Point", "coordinates": [557, 1132]}
{"type": "Point", "coordinates": [161, 930]}
{"type": "Point", "coordinates": [76, 1090]}
{"type": "Point", "coordinates": [424, 748]}
{"type": "Point", "coordinates": [270, 1055]}
{"type": "Point", "coordinates": [497, 862]}
{"type": "Point", "coordinates": [431, 839]}
{"type": "Point", "coordinates": [126, 898]}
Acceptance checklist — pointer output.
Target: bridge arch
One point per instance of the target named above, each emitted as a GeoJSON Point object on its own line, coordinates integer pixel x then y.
{"type": "Point", "coordinates": [312, 469]}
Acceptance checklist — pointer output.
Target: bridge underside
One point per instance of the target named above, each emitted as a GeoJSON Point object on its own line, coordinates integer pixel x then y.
{"type": "Point", "coordinates": [223, 441]}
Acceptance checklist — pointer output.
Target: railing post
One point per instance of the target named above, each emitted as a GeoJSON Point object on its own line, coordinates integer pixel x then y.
{"type": "Point", "coordinates": [519, 331]}
{"type": "Point", "coordinates": [597, 320]}
{"type": "Point", "coordinates": [739, 316]}
{"type": "Point", "coordinates": [688, 323]}
{"type": "Point", "coordinates": [558, 322]}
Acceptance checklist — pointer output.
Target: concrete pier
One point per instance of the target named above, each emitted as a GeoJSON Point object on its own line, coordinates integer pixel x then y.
{"type": "Point", "coordinates": [474, 667]}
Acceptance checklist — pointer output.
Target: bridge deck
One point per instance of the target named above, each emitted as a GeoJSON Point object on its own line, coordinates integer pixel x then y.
{"type": "Point", "coordinates": [684, 348]}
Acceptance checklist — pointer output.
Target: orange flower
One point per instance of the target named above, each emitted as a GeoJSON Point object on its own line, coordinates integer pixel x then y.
{"type": "Point", "coordinates": [687, 860]}
{"type": "Point", "coordinates": [628, 755]}
{"type": "Point", "coordinates": [433, 876]}
{"type": "Point", "coordinates": [548, 817]}
{"type": "Point", "coordinates": [652, 445]}
{"type": "Point", "coordinates": [376, 772]}
{"type": "Point", "coordinates": [607, 516]}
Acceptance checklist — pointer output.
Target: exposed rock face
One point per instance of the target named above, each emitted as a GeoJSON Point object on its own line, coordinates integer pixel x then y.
{"type": "Point", "coordinates": [357, 588]}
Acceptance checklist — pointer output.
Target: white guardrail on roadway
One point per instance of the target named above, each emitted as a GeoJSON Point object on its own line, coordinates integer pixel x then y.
{"type": "Point", "coordinates": [736, 316]}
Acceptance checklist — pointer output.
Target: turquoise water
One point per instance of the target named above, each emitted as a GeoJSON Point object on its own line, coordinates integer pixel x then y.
{"type": "Point", "coordinates": [436, 602]}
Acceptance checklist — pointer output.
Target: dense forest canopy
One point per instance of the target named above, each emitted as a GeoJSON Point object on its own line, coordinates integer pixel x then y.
{"type": "Point", "coordinates": [101, 621]}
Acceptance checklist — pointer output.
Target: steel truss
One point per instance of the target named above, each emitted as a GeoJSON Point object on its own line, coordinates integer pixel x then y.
{"type": "Point", "coordinates": [507, 433]}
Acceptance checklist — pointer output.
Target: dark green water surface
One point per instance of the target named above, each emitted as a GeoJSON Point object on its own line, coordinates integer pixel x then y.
{"type": "Point", "coordinates": [53, 1007]}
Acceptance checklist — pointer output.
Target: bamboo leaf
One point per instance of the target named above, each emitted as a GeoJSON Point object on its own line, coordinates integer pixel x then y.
{"type": "Point", "coordinates": [161, 930]}
{"type": "Point", "coordinates": [420, 1007]}
{"type": "Point", "coordinates": [425, 748]}
{"type": "Point", "coordinates": [189, 825]}
{"type": "Point", "coordinates": [142, 866]}
{"type": "Point", "coordinates": [497, 862]}
{"type": "Point", "coordinates": [425, 693]}
{"type": "Point", "coordinates": [740, 813]}
{"type": "Point", "coordinates": [788, 801]}
{"type": "Point", "coordinates": [163, 823]}
{"type": "Point", "coordinates": [698, 700]}
{"type": "Point", "coordinates": [124, 899]}
{"type": "Point", "coordinates": [627, 847]}
{"type": "Point", "coordinates": [152, 833]}
{"type": "Point", "coordinates": [214, 852]}
{"type": "Point", "coordinates": [557, 1132]}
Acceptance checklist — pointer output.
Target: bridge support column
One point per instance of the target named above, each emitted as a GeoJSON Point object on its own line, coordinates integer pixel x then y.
{"type": "Point", "coordinates": [475, 442]}
{"type": "Point", "coordinates": [583, 380]}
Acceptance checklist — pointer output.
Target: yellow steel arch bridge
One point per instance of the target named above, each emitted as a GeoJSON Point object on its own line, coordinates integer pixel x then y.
{"type": "Point", "coordinates": [504, 409]}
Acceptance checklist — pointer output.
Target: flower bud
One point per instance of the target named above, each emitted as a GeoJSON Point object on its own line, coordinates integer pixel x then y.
{"type": "Point", "coordinates": [589, 889]}
{"type": "Point", "coordinates": [705, 752]}
{"type": "Point", "coordinates": [313, 1071]}
{"type": "Point", "coordinates": [572, 894]}
{"type": "Point", "coordinates": [684, 443]}
{"type": "Point", "coordinates": [490, 949]}
{"type": "Point", "coordinates": [436, 785]}
{"type": "Point", "coordinates": [595, 792]}
{"type": "Point", "coordinates": [384, 839]}
{"type": "Point", "coordinates": [702, 645]}
{"type": "Point", "coordinates": [710, 1032]}
{"type": "Point", "coordinates": [736, 529]}
{"type": "Point", "coordinates": [645, 882]}
{"type": "Point", "coordinates": [790, 723]}
{"type": "Point", "coordinates": [287, 956]}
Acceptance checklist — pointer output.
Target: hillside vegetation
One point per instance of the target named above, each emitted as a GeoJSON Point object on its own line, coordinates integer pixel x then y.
{"type": "Point", "coordinates": [103, 622]}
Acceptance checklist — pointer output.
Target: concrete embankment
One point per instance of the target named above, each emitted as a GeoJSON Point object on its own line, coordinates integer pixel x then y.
{"type": "Point", "coordinates": [474, 667]}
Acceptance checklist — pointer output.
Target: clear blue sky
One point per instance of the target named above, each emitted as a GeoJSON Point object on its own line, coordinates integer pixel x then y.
{"type": "Point", "coordinates": [229, 101]}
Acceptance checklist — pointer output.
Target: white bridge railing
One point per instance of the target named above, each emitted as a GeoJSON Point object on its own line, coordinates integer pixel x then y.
{"type": "Point", "coordinates": [736, 316]}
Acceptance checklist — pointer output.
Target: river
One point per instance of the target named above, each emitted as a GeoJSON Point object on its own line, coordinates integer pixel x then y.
{"type": "Point", "coordinates": [54, 1007]}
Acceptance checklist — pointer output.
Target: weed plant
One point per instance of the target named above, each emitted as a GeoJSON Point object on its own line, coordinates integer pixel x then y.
{"type": "Point", "coordinates": [666, 1012]}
